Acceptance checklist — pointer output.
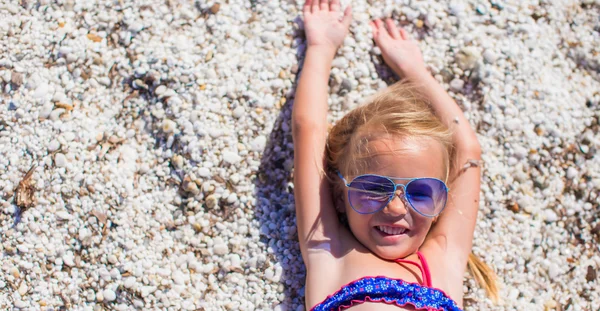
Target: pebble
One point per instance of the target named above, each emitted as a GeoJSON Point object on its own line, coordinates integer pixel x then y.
{"type": "Point", "coordinates": [23, 248]}
{"type": "Point", "coordinates": [211, 201]}
{"type": "Point", "coordinates": [220, 248]}
{"type": "Point", "coordinates": [345, 86]}
{"type": "Point", "coordinates": [160, 90]}
{"type": "Point", "coordinates": [489, 56]}
{"type": "Point", "coordinates": [457, 8]}
{"type": "Point", "coordinates": [204, 172]}
{"type": "Point", "coordinates": [457, 85]}
{"type": "Point", "coordinates": [340, 63]}
{"type": "Point", "coordinates": [177, 161]}
{"type": "Point", "coordinates": [232, 198]}
{"type": "Point", "coordinates": [481, 9]}
{"type": "Point", "coordinates": [280, 307]}
{"type": "Point", "coordinates": [231, 157]}
{"type": "Point", "coordinates": [16, 78]}
{"type": "Point", "coordinates": [109, 295]}
{"type": "Point", "coordinates": [20, 304]}
{"type": "Point", "coordinates": [178, 277]}
{"type": "Point", "coordinates": [147, 290]}
{"type": "Point", "coordinates": [23, 288]}
{"type": "Point", "coordinates": [139, 84]}
{"type": "Point", "coordinates": [236, 260]}
{"type": "Point", "coordinates": [14, 272]}
{"type": "Point", "coordinates": [238, 112]}
{"type": "Point", "coordinates": [169, 126]}
{"type": "Point", "coordinates": [41, 91]}
{"type": "Point", "coordinates": [68, 258]}
{"type": "Point", "coordinates": [129, 282]}
{"type": "Point", "coordinates": [520, 152]}
{"type": "Point", "coordinates": [190, 186]}
{"type": "Point", "coordinates": [467, 58]}
{"type": "Point", "coordinates": [513, 124]}
{"type": "Point", "coordinates": [63, 215]}
{"type": "Point", "coordinates": [571, 173]}
{"type": "Point", "coordinates": [550, 304]}
{"type": "Point", "coordinates": [53, 146]}
{"type": "Point", "coordinates": [60, 160]}
{"type": "Point", "coordinates": [550, 215]}
{"type": "Point", "coordinates": [46, 111]}
{"type": "Point", "coordinates": [135, 27]}
{"type": "Point", "coordinates": [215, 8]}
{"type": "Point", "coordinates": [258, 144]}
{"type": "Point", "coordinates": [513, 294]}
{"type": "Point", "coordinates": [553, 271]}
{"type": "Point", "coordinates": [12, 105]}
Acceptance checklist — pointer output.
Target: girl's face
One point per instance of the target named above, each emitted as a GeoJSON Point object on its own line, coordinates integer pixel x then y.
{"type": "Point", "coordinates": [402, 158]}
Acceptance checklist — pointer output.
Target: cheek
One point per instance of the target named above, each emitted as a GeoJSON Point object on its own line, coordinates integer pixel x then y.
{"type": "Point", "coordinates": [423, 224]}
{"type": "Point", "coordinates": [358, 223]}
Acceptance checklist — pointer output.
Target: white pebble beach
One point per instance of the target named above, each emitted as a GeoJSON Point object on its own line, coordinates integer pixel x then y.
{"type": "Point", "coordinates": [160, 140]}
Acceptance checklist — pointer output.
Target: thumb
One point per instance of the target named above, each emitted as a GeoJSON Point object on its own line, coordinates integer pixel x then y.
{"type": "Point", "coordinates": [347, 16]}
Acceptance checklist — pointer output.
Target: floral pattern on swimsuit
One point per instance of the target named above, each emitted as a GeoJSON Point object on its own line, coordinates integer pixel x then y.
{"type": "Point", "coordinates": [390, 291]}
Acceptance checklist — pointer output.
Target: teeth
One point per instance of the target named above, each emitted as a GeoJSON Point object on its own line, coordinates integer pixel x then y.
{"type": "Point", "coordinates": [391, 230]}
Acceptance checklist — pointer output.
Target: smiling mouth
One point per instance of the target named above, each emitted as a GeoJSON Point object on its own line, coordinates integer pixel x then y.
{"type": "Point", "coordinates": [387, 230]}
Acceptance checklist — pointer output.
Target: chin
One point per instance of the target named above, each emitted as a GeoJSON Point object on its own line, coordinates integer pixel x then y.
{"type": "Point", "coordinates": [391, 247]}
{"type": "Point", "coordinates": [391, 252]}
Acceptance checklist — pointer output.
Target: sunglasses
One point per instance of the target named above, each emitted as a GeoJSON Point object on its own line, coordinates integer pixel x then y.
{"type": "Point", "coordinates": [369, 193]}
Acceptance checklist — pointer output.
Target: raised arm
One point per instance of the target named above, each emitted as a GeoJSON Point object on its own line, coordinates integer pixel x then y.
{"type": "Point", "coordinates": [315, 213]}
{"type": "Point", "coordinates": [455, 226]}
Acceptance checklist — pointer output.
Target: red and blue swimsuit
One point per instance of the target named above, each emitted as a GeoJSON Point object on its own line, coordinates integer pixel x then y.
{"type": "Point", "coordinates": [391, 291]}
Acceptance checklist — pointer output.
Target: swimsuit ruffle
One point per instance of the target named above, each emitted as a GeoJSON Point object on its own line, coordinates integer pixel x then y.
{"type": "Point", "coordinates": [390, 291]}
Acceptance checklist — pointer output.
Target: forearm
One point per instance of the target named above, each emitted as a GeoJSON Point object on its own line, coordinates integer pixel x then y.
{"type": "Point", "coordinates": [447, 110]}
{"type": "Point", "coordinates": [310, 104]}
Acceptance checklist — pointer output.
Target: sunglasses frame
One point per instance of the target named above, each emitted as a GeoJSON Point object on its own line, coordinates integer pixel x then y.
{"type": "Point", "coordinates": [347, 184]}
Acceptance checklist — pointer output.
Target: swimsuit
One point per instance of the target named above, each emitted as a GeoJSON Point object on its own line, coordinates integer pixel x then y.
{"type": "Point", "coordinates": [391, 291]}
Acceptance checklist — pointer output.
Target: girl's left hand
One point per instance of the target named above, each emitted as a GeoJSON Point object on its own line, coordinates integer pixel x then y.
{"type": "Point", "coordinates": [322, 23]}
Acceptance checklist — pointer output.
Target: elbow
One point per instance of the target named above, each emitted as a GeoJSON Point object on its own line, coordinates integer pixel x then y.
{"type": "Point", "coordinates": [475, 149]}
{"type": "Point", "coordinates": [307, 124]}
{"type": "Point", "coordinates": [470, 149]}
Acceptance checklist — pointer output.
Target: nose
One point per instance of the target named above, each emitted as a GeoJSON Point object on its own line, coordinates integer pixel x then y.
{"type": "Point", "coordinates": [398, 205]}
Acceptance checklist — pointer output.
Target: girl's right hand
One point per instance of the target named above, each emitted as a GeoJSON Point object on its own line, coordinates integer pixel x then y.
{"type": "Point", "coordinates": [323, 26]}
{"type": "Point", "coordinates": [399, 51]}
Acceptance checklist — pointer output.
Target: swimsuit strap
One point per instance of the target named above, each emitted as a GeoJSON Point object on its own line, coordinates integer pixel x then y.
{"type": "Point", "coordinates": [425, 274]}
{"type": "Point", "coordinates": [426, 268]}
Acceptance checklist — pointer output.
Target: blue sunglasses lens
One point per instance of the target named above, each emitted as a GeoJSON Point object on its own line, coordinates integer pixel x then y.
{"type": "Point", "coordinates": [369, 193]}
{"type": "Point", "coordinates": [428, 196]}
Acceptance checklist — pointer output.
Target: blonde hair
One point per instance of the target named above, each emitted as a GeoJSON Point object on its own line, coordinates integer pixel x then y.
{"type": "Point", "coordinates": [398, 111]}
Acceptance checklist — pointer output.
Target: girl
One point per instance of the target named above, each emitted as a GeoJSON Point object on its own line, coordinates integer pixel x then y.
{"type": "Point", "coordinates": [386, 168]}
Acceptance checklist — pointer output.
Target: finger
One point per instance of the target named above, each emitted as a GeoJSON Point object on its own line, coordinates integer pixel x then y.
{"type": "Point", "coordinates": [324, 5]}
{"type": "Point", "coordinates": [392, 29]}
{"type": "Point", "coordinates": [306, 8]}
{"type": "Point", "coordinates": [334, 5]}
{"type": "Point", "coordinates": [374, 29]}
{"type": "Point", "coordinates": [314, 6]}
{"type": "Point", "coordinates": [347, 16]}
{"type": "Point", "coordinates": [404, 34]}
{"type": "Point", "coordinates": [381, 32]}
